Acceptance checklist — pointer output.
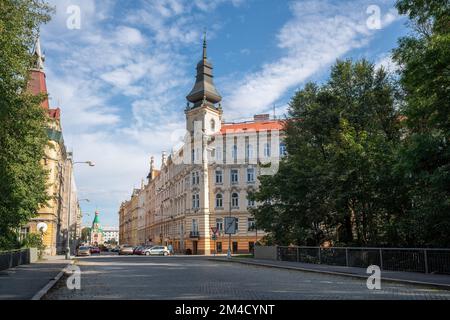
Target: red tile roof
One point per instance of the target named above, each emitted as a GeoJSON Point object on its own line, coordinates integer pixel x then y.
{"type": "Point", "coordinates": [253, 126]}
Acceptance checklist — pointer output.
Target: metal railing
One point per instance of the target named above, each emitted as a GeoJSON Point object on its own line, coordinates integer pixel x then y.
{"type": "Point", "coordinates": [14, 258]}
{"type": "Point", "coordinates": [423, 260]}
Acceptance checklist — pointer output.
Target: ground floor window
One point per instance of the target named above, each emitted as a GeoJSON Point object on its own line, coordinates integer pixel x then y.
{"type": "Point", "coordinates": [251, 246]}
{"type": "Point", "coordinates": [219, 247]}
{"type": "Point", "coordinates": [235, 247]}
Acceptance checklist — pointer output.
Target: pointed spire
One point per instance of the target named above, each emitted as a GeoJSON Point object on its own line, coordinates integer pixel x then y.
{"type": "Point", "coordinates": [204, 46]}
{"type": "Point", "coordinates": [204, 91]}
{"type": "Point", "coordinates": [37, 83]}
{"type": "Point", "coordinates": [39, 57]}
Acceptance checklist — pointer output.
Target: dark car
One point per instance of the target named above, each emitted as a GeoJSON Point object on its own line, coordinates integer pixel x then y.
{"type": "Point", "coordinates": [138, 250]}
{"type": "Point", "coordinates": [95, 250]}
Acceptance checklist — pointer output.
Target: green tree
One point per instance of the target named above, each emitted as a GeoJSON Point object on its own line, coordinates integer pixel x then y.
{"type": "Point", "coordinates": [424, 160]}
{"type": "Point", "coordinates": [85, 234]}
{"type": "Point", "coordinates": [22, 131]}
{"type": "Point", "coordinates": [336, 182]}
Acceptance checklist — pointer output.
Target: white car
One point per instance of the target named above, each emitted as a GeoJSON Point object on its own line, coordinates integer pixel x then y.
{"type": "Point", "coordinates": [159, 250]}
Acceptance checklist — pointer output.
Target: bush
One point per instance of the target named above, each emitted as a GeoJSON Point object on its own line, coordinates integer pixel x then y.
{"type": "Point", "coordinates": [34, 240]}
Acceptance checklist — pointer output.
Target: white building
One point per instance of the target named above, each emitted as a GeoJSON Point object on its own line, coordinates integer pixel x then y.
{"type": "Point", "coordinates": [111, 233]}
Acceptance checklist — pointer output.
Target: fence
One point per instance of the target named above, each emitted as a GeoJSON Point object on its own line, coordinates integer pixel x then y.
{"type": "Point", "coordinates": [14, 258]}
{"type": "Point", "coordinates": [394, 259]}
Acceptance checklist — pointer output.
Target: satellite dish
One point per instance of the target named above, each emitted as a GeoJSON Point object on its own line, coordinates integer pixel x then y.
{"type": "Point", "coordinates": [42, 227]}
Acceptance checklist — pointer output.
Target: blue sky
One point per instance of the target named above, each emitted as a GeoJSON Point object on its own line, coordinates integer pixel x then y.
{"type": "Point", "coordinates": [121, 79]}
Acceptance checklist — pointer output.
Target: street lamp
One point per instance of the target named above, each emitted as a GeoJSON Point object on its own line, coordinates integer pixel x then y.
{"type": "Point", "coordinates": [90, 164]}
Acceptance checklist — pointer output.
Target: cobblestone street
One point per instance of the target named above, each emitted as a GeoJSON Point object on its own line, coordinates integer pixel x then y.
{"type": "Point", "coordinates": [135, 277]}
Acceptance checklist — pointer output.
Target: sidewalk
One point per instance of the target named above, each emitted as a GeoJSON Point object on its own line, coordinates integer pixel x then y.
{"type": "Point", "coordinates": [434, 280]}
{"type": "Point", "coordinates": [23, 282]}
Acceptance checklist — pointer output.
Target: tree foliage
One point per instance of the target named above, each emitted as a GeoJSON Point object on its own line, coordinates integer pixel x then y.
{"type": "Point", "coordinates": [22, 130]}
{"type": "Point", "coordinates": [368, 155]}
{"type": "Point", "coordinates": [424, 59]}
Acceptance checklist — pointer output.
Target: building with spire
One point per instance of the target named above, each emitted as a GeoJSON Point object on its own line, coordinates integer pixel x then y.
{"type": "Point", "coordinates": [187, 200]}
{"type": "Point", "coordinates": [53, 216]}
{"type": "Point", "coordinates": [97, 236]}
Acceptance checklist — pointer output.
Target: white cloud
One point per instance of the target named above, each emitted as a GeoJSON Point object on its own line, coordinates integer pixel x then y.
{"type": "Point", "coordinates": [318, 33]}
{"type": "Point", "coordinates": [118, 79]}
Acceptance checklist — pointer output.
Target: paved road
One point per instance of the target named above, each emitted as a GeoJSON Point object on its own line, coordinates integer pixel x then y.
{"type": "Point", "coordinates": [135, 277]}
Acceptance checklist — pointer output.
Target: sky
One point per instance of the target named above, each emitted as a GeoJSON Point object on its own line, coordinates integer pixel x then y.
{"type": "Point", "coordinates": [120, 71]}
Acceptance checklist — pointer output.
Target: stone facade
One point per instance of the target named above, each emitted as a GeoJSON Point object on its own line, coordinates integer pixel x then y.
{"type": "Point", "coordinates": [54, 214]}
{"type": "Point", "coordinates": [207, 179]}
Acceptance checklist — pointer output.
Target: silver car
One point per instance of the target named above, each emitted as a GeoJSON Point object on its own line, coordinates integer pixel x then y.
{"type": "Point", "coordinates": [159, 250]}
{"type": "Point", "coordinates": [84, 251]}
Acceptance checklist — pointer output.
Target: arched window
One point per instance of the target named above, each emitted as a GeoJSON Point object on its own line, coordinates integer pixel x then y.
{"type": "Point", "coordinates": [235, 200]}
{"type": "Point", "coordinates": [219, 200]}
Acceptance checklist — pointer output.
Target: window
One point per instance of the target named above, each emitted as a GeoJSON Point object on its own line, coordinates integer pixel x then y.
{"type": "Point", "coordinates": [283, 151]}
{"type": "Point", "coordinates": [193, 156]}
{"type": "Point", "coordinates": [219, 224]}
{"type": "Point", "coordinates": [250, 203]}
{"type": "Point", "coordinates": [237, 224]}
{"type": "Point", "coordinates": [251, 246]}
{"type": "Point", "coordinates": [219, 247]}
{"type": "Point", "coordinates": [251, 224]}
{"type": "Point", "coordinates": [234, 176]}
{"type": "Point", "coordinates": [234, 152]}
{"type": "Point", "coordinates": [213, 125]}
{"type": "Point", "coordinates": [195, 178]}
{"type": "Point", "coordinates": [249, 152]}
{"type": "Point", "coordinates": [267, 150]}
{"type": "Point", "coordinates": [235, 247]}
{"type": "Point", "coordinates": [219, 200]}
{"type": "Point", "coordinates": [250, 174]}
{"type": "Point", "coordinates": [235, 200]}
{"type": "Point", "coordinates": [219, 177]}
{"type": "Point", "coordinates": [195, 201]}
{"type": "Point", "coordinates": [194, 225]}
{"type": "Point", "coordinates": [218, 153]}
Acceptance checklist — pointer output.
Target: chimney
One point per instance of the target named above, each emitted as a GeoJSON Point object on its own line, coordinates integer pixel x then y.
{"type": "Point", "coordinates": [261, 117]}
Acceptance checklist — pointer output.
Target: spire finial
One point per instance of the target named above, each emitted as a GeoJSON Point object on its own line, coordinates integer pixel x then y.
{"type": "Point", "coordinates": [204, 44]}
{"type": "Point", "coordinates": [39, 57]}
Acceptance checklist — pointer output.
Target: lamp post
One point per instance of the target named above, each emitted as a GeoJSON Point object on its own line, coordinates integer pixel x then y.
{"type": "Point", "coordinates": [91, 164]}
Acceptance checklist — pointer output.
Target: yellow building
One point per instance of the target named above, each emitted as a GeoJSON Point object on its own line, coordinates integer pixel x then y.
{"type": "Point", "coordinates": [208, 179]}
{"type": "Point", "coordinates": [53, 217]}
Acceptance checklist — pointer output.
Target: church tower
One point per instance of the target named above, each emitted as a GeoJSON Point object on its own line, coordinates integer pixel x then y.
{"type": "Point", "coordinates": [204, 100]}
{"type": "Point", "coordinates": [37, 82]}
{"type": "Point", "coordinates": [96, 231]}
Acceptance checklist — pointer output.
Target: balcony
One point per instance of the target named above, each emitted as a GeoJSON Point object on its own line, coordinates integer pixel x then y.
{"type": "Point", "coordinates": [194, 234]}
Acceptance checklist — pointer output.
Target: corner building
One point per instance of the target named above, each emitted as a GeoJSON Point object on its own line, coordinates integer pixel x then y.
{"type": "Point", "coordinates": [208, 178]}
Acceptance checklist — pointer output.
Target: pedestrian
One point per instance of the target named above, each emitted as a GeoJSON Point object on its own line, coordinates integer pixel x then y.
{"type": "Point", "coordinates": [170, 247]}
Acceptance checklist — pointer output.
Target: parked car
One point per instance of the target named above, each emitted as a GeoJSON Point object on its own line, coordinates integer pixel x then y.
{"type": "Point", "coordinates": [138, 250]}
{"type": "Point", "coordinates": [159, 250]}
{"type": "Point", "coordinates": [83, 251]}
{"type": "Point", "coordinates": [114, 249]}
{"type": "Point", "coordinates": [146, 250]}
{"type": "Point", "coordinates": [126, 250]}
{"type": "Point", "coordinates": [95, 250]}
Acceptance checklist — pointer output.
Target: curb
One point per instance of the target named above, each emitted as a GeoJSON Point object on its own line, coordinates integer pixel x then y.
{"type": "Point", "coordinates": [52, 282]}
{"type": "Point", "coordinates": [335, 273]}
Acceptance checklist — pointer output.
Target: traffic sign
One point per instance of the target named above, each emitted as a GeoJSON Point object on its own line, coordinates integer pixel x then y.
{"type": "Point", "coordinates": [230, 225]}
